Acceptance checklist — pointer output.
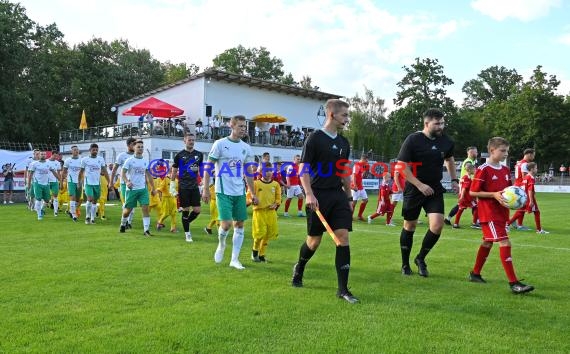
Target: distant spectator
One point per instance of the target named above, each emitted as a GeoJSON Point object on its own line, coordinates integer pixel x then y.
{"type": "Point", "coordinates": [8, 173]}
{"type": "Point", "coordinates": [149, 119]}
{"type": "Point", "coordinates": [284, 136]}
{"type": "Point", "coordinates": [272, 132]}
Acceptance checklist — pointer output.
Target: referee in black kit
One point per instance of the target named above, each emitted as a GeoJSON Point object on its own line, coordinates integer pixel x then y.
{"type": "Point", "coordinates": [326, 190]}
{"type": "Point", "coordinates": [426, 150]}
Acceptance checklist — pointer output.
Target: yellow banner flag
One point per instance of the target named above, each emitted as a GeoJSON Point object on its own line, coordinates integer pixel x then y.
{"type": "Point", "coordinates": [83, 124]}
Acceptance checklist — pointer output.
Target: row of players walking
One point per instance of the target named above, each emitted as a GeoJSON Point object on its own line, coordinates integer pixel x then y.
{"type": "Point", "coordinates": [327, 191]}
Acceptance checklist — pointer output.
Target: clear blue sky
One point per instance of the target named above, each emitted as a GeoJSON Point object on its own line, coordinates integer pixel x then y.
{"type": "Point", "coordinates": [342, 45]}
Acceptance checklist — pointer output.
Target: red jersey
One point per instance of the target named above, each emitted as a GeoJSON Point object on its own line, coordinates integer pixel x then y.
{"type": "Point", "coordinates": [384, 203]}
{"type": "Point", "coordinates": [402, 180]}
{"type": "Point", "coordinates": [384, 192]}
{"type": "Point", "coordinates": [528, 185]}
{"type": "Point", "coordinates": [293, 174]}
{"type": "Point", "coordinates": [465, 185]}
{"type": "Point", "coordinates": [490, 178]}
{"type": "Point", "coordinates": [357, 173]}
{"type": "Point", "coordinates": [520, 171]}
{"type": "Point", "coordinates": [277, 177]}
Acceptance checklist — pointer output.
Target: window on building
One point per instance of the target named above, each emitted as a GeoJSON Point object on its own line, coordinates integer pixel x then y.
{"type": "Point", "coordinates": [168, 154]}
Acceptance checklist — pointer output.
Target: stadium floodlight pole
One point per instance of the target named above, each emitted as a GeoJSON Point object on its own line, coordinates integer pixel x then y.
{"type": "Point", "coordinates": [327, 226]}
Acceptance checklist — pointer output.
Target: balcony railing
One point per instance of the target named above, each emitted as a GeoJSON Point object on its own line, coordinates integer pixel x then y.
{"type": "Point", "coordinates": [167, 130]}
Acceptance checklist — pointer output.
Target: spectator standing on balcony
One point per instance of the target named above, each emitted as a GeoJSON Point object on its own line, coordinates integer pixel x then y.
{"type": "Point", "coordinates": [199, 129]}
{"type": "Point", "coordinates": [284, 136]}
{"type": "Point", "coordinates": [141, 121]}
{"type": "Point", "coordinates": [272, 132]}
{"type": "Point", "coordinates": [149, 119]}
{"type": "Point", "coordinates": [256, 132]}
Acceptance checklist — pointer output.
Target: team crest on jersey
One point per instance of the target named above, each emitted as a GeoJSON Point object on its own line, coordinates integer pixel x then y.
{"type": "Point", "coordinates": [334, 147]}
{"type": "Point", "coordinates": [433, 147]}
{"type": "Point", "coordinates": [494, 178]}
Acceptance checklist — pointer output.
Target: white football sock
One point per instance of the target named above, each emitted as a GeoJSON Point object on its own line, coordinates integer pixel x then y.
{"type": "Point", "coordinates": [237, 242]}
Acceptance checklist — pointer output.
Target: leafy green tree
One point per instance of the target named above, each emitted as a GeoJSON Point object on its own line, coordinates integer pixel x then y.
{"type": "Point", "coordinates": [423, 86]}
{"type": "Point", "coordinates": [16, 34]}
{"type": "Point", "coordinates": [254, 62]}
{"type": "Point", "coordinates": [367, 123]}
{"type": "Point", "coordinates": [307, 83]}
{"type": "Point", "coordinates": [492, 84]}
{"type": "Point", "coordinates": [177, 72]}
{"type": "Point", "coordinates": [535, 117]}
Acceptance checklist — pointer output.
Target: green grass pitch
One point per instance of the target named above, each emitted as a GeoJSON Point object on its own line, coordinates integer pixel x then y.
{"type": "Point", "coordinates": [80, 288]}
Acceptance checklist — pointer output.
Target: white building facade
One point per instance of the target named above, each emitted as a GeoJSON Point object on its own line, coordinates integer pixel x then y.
{"type": "Point", "coordinates": [223, 95]}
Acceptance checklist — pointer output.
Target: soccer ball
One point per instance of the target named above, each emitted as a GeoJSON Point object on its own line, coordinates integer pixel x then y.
{"type": "Point", "coordinates": [516, 197]}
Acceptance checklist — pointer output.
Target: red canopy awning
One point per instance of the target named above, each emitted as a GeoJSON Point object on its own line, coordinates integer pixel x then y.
{"type": "Point", "coordinates": [158, 108]}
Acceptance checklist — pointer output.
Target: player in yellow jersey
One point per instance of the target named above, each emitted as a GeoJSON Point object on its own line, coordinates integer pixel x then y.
{"type": "Point", "coordinates": [264, 224]}
{"type": "Point", "coordinates": [213, 210]}
{"type": "Point", "coordinates": [168, 204]}
{"type": "Point", "coordinates": [155, 201]}
{"type": "Point", "coordinates": [103, 197]}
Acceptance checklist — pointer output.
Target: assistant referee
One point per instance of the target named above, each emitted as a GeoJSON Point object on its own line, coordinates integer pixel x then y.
{"type": "Point", "coordinates": [327, 190]}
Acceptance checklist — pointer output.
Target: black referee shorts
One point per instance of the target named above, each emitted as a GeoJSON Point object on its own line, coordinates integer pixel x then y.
{"type": "Point", "coordinates": [333, 204]}
{"type": "Point", "coordinates": [189, 197]}
{"type": "Point", "coordinates": [414, 201]}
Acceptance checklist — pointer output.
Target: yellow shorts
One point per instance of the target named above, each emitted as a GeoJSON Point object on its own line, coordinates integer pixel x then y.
{"type": "Point", "coordinates": [264, 224]}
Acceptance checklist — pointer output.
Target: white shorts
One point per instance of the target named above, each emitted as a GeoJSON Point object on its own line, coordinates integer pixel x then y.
{"type": "Point", "coordinates": [360, 194]}
{"type": "Point", "coordinates": [294, 191]}
{"type": "Point", "coordinates": [397, 197]}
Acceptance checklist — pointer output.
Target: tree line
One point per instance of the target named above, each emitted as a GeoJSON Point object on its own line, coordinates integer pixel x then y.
{"type": "Point", "coordinates": [498, 102]}
{"type": "Point", "coordinates": [46, 83]}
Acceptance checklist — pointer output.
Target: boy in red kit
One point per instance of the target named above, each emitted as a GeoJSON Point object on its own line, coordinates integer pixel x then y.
{"type": "Point", "coordinates": [384, 204]}
{"type": "Point", "coordinates": [531, 206]}
{"type": "Point", "coordinates": [490, 180]}
{"type": "Point", "coordinates": [465, 200]}
{"type": "Point", "coordinates": [521, 171]}
{"type": "Point", "coordinates": [358, 191]}
{"type": "Point", "coordinates": [294, 187]}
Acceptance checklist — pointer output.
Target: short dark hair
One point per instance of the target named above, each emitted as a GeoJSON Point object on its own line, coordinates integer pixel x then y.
{"type": "Point", "coordinates": [187, 133]}
{"type": "Point", "coordinates": [471, 148]}
{"type": "Point", "coordinates": [139, 141]}
{"type": "Point", "coordinates": [433, 113]}
{"type": "Point", "coordinates": [55, 152]}
{"type": "Point", "coordinates": [73, 146]}
{"type": "Point", "coordinates": [93, 146]}
{"type": "Point", "coordinates": [265, 154]}
{"type": "Point", "coordinates": [528, 151]}
{"type": "Point", "coordinates": [130, 140]}
{"type": "Point", "coordinates": [530, 165]}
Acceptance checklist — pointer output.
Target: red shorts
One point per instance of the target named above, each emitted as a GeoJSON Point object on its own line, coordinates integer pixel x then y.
{"type": "Point", "coordinates": [384, 208]}
{"type": "Point", "coordinates": [467, 204]}
{"type": "Point", "coordinates": [494, 231]}
{"type": "Point", "coordinates": [534, 208]}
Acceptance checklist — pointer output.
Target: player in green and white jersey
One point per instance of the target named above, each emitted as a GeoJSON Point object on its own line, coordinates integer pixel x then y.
{"type": "Point", "coordinates": [92, 167]}
{"type": "Point", "coordinates": [137, 178]}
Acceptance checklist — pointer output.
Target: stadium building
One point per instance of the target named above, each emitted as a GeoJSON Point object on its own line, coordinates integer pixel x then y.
{"type": "Point", "coordinates": [203, 104]}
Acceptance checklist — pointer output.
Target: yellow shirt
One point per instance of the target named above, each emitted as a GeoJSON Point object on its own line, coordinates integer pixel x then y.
{"type": "Point", "coordinates": [267, 193]}
{"type": "Point", "coordinates": [154, 199]}
{"type": "Point", "coordinates": [163, 185]}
